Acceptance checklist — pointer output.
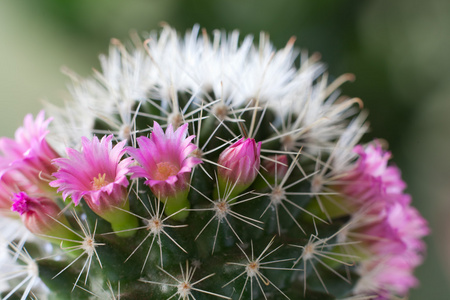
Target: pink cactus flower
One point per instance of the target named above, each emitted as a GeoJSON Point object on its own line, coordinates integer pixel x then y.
{"type": "Point", "coordinates": [166, 165]}
{"type": "Point", "coordinates": [42, 216]}
{"type": "Point", "coordinates": [372, 179]}
{"type": "Point", "coordinates": [239, 165]}
{"type": "Point", "coordinates": [410, 226]}
{"type": "Point", "coordinates": [392, 226]}
{"type": "Point", "coordinates": [12, 182]}
{"type": "Point", "coordinates": [386, 277]}
{"type": "Point", "coordinates": [25, 162]}
{"type": "Point", "coordinates": [164, 159]}
{"type": "Point", "coordinates": [377, 234]}
{"type": "Point", "coordinates": [95, 173]}
{"type": "Point", "coordinates": [98, 174]}
{"type": "Point", "coordinates": [391, 229]}
{"type": "Point", "coordinates": [29, 153]}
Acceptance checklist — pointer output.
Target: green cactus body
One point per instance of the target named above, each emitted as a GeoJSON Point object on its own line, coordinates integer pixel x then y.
{"type": "Point", "coordinates": [232, 226]}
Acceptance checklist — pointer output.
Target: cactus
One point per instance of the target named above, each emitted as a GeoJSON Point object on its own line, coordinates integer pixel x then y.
{"type": "Point", "coordinates": [204, 168]}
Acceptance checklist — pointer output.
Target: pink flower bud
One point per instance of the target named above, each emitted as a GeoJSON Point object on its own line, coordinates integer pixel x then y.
{"type": "Point", "coordinates": [239, 164]}
{"type": "Point", "coordinates": [275, 168]}
{"type": "Point", "coordinates": [41, 216]}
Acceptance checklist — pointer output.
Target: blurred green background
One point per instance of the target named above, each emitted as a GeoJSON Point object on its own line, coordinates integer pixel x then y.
{"type": "Point", "coordinates": [398, 51]}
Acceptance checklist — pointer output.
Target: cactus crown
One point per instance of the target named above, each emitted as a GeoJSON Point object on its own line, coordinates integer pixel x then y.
{"type": "Point", "coordinates": [203, 168]}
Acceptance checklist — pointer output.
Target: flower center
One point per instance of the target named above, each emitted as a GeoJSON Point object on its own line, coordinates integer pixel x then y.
{"type": "Point", "coordinates": [99, 181]}
{"type": "Point", "coordinates": [165, 170]}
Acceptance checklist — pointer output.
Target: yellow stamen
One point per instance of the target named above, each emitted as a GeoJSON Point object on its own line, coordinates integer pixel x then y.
{"type": "Point", "coordinates": [165, 170]}
{"type": "Point", "coordinates": [99, 181]}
